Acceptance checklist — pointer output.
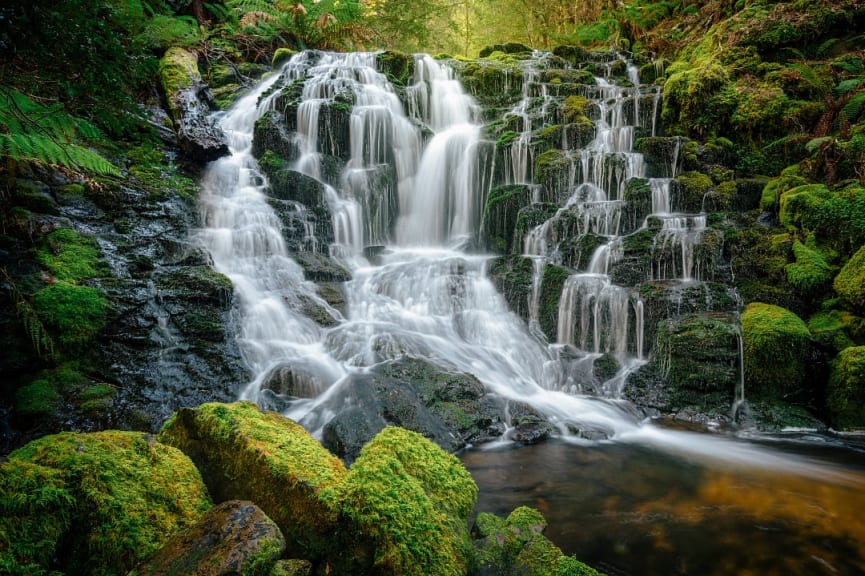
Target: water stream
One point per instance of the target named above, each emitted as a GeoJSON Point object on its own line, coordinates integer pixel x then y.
{"type": "Point", "coordinates": [426, 295]}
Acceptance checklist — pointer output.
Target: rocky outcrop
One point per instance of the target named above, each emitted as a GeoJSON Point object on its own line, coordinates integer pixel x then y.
{"type": "Point", "coordinates": [189, 101]}
{"type": "Point", "coordinates": [234, 537]}
{"type": "Point", "coordinates": [246, 454]}
{"type": "Point", "coordinates": [452, 409]}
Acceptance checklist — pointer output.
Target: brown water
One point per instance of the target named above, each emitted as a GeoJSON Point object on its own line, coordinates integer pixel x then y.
{"type": "Point", "coordinates": [631, 509]}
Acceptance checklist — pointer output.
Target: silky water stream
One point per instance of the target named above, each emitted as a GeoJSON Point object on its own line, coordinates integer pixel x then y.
{"type": "Point", "coordinates": [646, 499]}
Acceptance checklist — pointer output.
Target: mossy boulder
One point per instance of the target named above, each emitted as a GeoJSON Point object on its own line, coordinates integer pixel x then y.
{"type": "Point", "coordinates": [810, 273]}
{"type": "Point", "coordinates": [513, 278]}
{"type": "Point", "coordinates": [776, 343]}
{"type": "Point", "coordinates": [516, 546]}
{"type": "Point", "coordinates": [699, 358]}
{"type": "Point", "coordinates": [845, 396]}
{"type": "Point", "coordinates": [189, 102]}
{"type": "Point", "coordinates": [690, 190]}
{"type": "Point", "coordinates": [234, 537]}
{"type": "Point", "coordinates": [850, 282]}
{"type": "Point", "coordinates": [411, 501]}
{"type": "Point", "coordinates": [246, 454]}
{"type": "Point", "coordinates": [500, 217]}
{"type": "Point", "coordinates": [662, 154]}
{"type": "Point", "coordinates": [95, 503]}
{"type": "Point", "coordinates": [69, 256]}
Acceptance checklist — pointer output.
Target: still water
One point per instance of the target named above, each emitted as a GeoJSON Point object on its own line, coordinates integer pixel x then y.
{"type": "Point", "coordinates": [630, 509]}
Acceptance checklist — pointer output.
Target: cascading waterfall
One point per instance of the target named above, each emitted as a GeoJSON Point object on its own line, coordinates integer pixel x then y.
{"type": "Point", "coordinates": [424, 295]}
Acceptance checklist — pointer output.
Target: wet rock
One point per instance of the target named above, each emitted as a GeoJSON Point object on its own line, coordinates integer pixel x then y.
{"type": "Point", "coordinates": [188, 99]}
{"type": "Point", "coordinates": [452, 409]}
{"type": "Point", "coordinates": [235, 537]}
{"type": "Point", "coordinates": [513, 277]}
{"type": "Point", "coordinates": [500, 217]}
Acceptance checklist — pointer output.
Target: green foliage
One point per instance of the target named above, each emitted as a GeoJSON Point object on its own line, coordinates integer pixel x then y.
{"type": "Point", "coordinates": [775, 345]}
{"type": "Point", "coordinates": [788, 179]}
{"type": "Point", "coordinates": [552, 283]}
{"type": "Point", "coordinates": [36, 510]}
{"type": "Point", "coordinates": [411, 498]}
{"type": "Point", "coordinates": [123, 493]}
{"type": "Point", "coordinates": [42, 342]}
{"type": "Point", "coordinates": [30, 132]}
{"type": "Point", "coordinates": [850, 282]}
{"type": "Point", "coordinates": [810, 273]}
{"type": "Point", "coordinates": [72, 314]}
{"type": "Point", "coordinates": [845, 395]}
{"type": "Point", "coordinates": [68, 256]}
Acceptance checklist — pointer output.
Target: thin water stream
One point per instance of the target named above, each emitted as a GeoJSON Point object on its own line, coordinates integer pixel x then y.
{"type": "Point", "coordinates": [427, 296]}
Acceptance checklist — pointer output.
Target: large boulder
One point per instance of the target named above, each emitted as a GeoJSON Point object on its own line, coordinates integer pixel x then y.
{"type": "Point", "coordinates": [500, 217]}
{"type": "Point", "coordinates": [235, 537]}
{"type": "Point", "coordinates": [450, 408]}
{"type": "Point", "coordinates": [188, 100]}
{"type": "Point", "coordinates": [776, 345]}
{"type": "Point", "coordinates": [850, 282]}
{"type": "Point", "coordinates": [405, 506]}
{"type": "Point", "coordinates": [94, 503]}
{"type": "Point", "coordinates": [845, 396]}
{"type": "Point", "coordinates": [246, 454]}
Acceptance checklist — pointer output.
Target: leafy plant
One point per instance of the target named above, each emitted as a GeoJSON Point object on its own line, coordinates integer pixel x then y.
{"type": "Point", "coordinates": [30, 132]}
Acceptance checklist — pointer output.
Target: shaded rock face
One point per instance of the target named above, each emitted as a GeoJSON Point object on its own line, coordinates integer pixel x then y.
{"type": "Point", "coordinates": [199, 137]}
{"type": "Point", "coordinates": [167, 342]}
{"type": "Point", "coordinates": [235, 537]}
{"type": "Point", "coordinates": [451, 409]}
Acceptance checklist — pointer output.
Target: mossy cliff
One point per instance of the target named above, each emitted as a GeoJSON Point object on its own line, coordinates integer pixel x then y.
{"type": "Point", "coordinates": [105, 503]}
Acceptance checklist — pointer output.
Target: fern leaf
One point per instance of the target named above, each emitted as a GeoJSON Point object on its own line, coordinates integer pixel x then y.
{"type": "Point", "coordinates": [847, 86]}
{"type": "Point", "coordinates": [853, 108]}
{"type": "Point", "coordinates": [817, 143]}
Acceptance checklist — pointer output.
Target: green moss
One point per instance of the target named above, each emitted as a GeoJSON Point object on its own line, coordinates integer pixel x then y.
{"type": "Point", "coordinates": [69, 256]}
{"type": "Point", "coordinates": [810, 273]}
{"type": "Point", "coordinates": [178, 70]}
{"type": "Point", "coordinates": [411, 498]}
{"type": "Point", "coordinates": [130, 494]}
{"type": "Point", "coordinates": [246, 454]}
{"type": "Point", "coordinates": [788, 179]}
{"type": "Point", "coordinates": [552, 283]}
{"type": "Point", "coordinates": [850, 282]}
{"type": "Point", "coordinates": [775, 344]}
{"type": "Point", "coordinates": [845, 396]}
{"type": "Point", "coordinates": [74, 315]}
{"type": "Point", "coordinates": [39, 398]}
{"type": "Point", "coordinates": [500, 216]}
{"type": "Point", "coordinates": [487, 524]}
{"type": "Point", "coordinates": [397, 66]}
{"type": "Point", "coordinates": [36, 511]}
{"type": "Point", "coordinates": [797, 204]}
{"type": "Point", "coordinates": [281, 56]}
{"type": "Point", "coordinates": [692, 187]}
{"type": "Point", "coordinates": [573, 109]}
{"type": "Point", "coordinates": [570, 566]}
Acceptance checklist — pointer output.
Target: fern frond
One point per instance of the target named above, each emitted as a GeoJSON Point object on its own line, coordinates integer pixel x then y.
{"type": "Point", "coordinates": [784, 140]}
{"type": "Point", "coordinates": [30, 132]}
{"type": "Point", "coordinates": [826, 46]}
{"type": "Point", "coordinates": [853, 109]}
{"type": "Point", "coordinates": [817, 143]}
{"type": "Point", "coordinates": [847, 86]}
{"type": "Point", "coordinates": [41, 341]}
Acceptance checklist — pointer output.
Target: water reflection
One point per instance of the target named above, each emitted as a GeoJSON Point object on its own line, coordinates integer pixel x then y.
{"type": "Point", "coordinates": [628, 509]}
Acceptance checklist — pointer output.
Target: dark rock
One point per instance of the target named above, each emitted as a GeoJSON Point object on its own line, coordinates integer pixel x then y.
{"type": "Point", "coordinates": [513, 278]}
{"type": "Point", "coordinates": [500, 217]}
{"type": "Point", "coordinates": [451, 409]}
{"type": "Point", "coordinates": [235, 537]}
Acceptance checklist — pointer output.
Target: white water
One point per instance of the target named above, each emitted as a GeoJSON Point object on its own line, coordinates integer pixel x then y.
{"type": "Point", "coordinates": [426, 297]}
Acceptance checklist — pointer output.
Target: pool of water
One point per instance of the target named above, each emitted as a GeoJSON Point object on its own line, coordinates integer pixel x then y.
{"type": "Point", "coordinates": [635, 509]}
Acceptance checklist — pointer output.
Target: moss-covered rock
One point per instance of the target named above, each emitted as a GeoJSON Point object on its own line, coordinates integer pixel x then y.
{"type": "Point", "coordinates": [98, 503]}
{"type": "Point", "coordinates": [516, 546]}
{"type": "Point", "coordinates": [512, 277]}
{"type": "Point", "coordinates": [234, 537]}
{"type": "Point", "coordinates": [552, 283]}
{"type": "Point", "coordinates": [775, 345]}
{"type": "Point", "coordinates": [690, 189]}
{"type": "Point", "coordinates": [73, 314]}
{"type": "Point", "coordinates": [845, 396]}
{"type": "Point", "coordinates": [69, 256]}
{"type": "Point", "coordinates": [500, 217]}
{"type": "Point", "coordinates": [661, 154]}
{"type": "Point", "coordinates": [246, 454]}
{"type": "Point", "coordinates": [850, 282]}
{"type": "Point", "coordinates": [411, 500]}
{"type": "Point", "coordinates": [810, 273]}
{"type": "Point", "coordinates": [397, 66]}
{"type": "Point", "coordinates": [699, 358]}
